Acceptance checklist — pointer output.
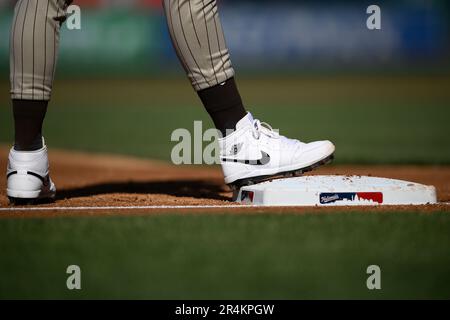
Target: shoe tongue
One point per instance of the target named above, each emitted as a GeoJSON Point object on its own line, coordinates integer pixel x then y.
{"type": "Point", "coordinates": [245, 121]}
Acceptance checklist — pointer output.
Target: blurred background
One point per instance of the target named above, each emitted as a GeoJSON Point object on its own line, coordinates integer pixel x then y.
{"type": "Point", "coordinates": [310, 68]}
{"type": "Point", "coordinates": [264, 36]}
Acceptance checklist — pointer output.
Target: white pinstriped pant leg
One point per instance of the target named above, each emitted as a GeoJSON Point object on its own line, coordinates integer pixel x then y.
{"type": "Point", "coordinates": [34, 46]}
{"type": "Point", "coordinates": [198, 38]}
{"type": "Point", "coordinates": [194, 26]}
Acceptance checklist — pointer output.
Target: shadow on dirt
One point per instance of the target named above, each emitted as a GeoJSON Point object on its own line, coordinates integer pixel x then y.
{"type": "Point", "coordinates": [200, 189]}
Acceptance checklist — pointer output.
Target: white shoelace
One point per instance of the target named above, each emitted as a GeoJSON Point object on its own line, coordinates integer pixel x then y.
{"type": "Point", "coordinates": [265, 128]}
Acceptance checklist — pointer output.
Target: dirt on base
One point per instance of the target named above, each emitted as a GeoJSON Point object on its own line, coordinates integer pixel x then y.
{"type": "Point", "coordinates": [91, 180]}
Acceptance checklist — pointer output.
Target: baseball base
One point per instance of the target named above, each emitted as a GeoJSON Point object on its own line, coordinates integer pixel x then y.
{"type": "Point", "coordinates": [336, 191]}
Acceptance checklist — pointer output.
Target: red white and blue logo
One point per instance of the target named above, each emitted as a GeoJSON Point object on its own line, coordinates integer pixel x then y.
{"type": "Point", "coordinates": [359, 197]}
{"type": "Point", "coordinates": [247, 196]}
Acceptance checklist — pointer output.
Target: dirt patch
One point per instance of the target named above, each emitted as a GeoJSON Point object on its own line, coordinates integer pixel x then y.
{"type": "Point", "coordinates": [85, 179]}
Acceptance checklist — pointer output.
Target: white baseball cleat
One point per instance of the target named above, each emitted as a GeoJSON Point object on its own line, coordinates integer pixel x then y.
{"type": "Point", "coordinates": [254, 152]}
{"type": "Point", "coordinates": [28, 176]}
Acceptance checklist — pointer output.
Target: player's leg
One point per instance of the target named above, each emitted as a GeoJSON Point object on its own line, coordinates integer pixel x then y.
{"type": "Point", "coordinates": [253, 151]}
{"type": "Point", "coordinates": [33, 53]}
{"type": "Point", "coordinates": [198, 39]}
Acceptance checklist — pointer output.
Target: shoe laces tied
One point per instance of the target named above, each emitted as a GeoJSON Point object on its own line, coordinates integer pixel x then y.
{"type": "Point", "coordinates": [263, 128]}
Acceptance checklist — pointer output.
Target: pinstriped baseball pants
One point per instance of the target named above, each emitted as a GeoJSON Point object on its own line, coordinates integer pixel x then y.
{"type": "Point", "coordinates": [34, 46]}
{"type": "Point", "coordinates": [194, 27]}
{"type": "Point", "coordinates": [198, 38]}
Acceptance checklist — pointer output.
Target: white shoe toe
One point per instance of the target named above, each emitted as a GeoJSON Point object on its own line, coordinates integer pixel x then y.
{"type": "Point", "coordinates": [314, 151]}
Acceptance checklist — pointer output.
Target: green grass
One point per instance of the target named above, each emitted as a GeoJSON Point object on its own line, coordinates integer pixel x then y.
{"type": "Point", "coordinates": [371, 120]}
{"type": "Point", "coordinates": [228, 256]}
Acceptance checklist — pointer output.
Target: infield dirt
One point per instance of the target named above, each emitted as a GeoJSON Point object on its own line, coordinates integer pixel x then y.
{"type": "Point", "coordinates": [93, 180]}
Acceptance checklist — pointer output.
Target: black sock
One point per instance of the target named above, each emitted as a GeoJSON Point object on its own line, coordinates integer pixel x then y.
{"type": "Point", "coordinates": [28, 118]}
{"type": "Point", "coordinates": [224, 104]}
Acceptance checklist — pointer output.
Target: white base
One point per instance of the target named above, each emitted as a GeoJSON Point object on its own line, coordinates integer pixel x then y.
{"type": "Point", "coordinates": [336, 191]}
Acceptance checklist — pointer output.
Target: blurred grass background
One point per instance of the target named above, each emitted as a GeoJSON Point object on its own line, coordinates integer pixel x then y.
{"type": "Point", "coordinates": [382, 119]}
{"type": "Point", "coordinates": [222, 256]}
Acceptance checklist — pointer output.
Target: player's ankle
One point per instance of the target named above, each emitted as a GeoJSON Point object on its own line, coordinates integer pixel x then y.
{"type": "Point", "coordinates": [224, 104]}
{"type": "Point", "coordinates": [28, 118]}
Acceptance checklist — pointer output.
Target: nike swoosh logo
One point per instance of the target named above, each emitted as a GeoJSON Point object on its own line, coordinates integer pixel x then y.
{"type": "Point", "coordinates": [45, 180]}
{"type": "Point", "coordinates": [265, 159]}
